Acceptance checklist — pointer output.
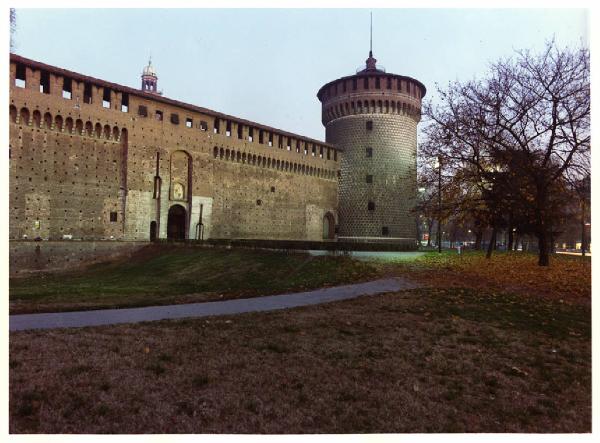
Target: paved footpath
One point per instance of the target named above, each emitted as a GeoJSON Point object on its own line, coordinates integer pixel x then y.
{"type": "Point", "coordinates": [226, 307]}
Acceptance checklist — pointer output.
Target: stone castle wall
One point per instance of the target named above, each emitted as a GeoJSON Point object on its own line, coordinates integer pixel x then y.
{"type": "Point", "coordinates": [94, 160]}
{"type": "Point", "coordinates": [26, 257]}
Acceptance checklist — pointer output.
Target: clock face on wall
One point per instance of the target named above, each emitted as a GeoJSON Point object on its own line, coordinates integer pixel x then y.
{"type": "Point", "coordinates": [177, 191]}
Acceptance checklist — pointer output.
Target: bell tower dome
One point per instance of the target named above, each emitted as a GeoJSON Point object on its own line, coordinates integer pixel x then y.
{"type": "Point", "coordinates": [150, 79]}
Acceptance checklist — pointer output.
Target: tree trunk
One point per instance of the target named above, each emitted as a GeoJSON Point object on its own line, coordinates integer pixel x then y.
{"type": "Point", "coordinates": [543, 230]}
{"type": "Point", "coordinates": [478, 239]}
{"type": "Point", "coordinates": [492, 244]}
{"type": "Point", "coordinates": [429, 229]}
{"type": "Point", "coordinates": [583, 239]}
{"type": "Point", "coordinates": [544, 254]}
{"type": "Point", "coordinates": [509, 247]}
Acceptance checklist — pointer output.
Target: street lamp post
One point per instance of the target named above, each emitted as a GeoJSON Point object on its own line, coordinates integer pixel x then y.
{"type": "Point", "coordinates": [438, 164]}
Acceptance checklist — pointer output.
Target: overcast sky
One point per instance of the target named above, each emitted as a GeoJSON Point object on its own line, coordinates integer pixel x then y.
{"type": "Point", "coordinates": [267, 65]}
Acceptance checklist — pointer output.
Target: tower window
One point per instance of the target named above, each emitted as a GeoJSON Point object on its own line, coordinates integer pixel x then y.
{"type": "Point", "coordinates": [142, 111]}
{"type": "Point", "coordinates": [369, 178]}
{"type": "Point", "coordinates": [124, 102]}
{"type": "Point", "coordinates": [106, 98]}
{"type": "Point", "coordinates": [354, 84]}
{"type": "Point", "coordinates": [158, 115]}
{"type": "Point", "coordinates": [113, 216]}
{"type": "Point", "coordinates": [217, 128]}
{"type": "Point", "coordinates": [203, 125]}
{"type": "Point", "coordinates": [344, 86]}
{"type": "Point", "coordinates": [385, 231]}
{"type": "Point", "coordinates": [250, 133]}
{"type": "Point", "coordinates": [369, 125]}
{"type": "Point", "coordinates": [67, 88]}
{"type": "Point", "coordinates": [334, 155]}
{"type": "Point", "coordinates": [321, 152]}
{"type": "Point", "coordinates": [366, 83]}
{"type": "Point", "coordinates": [261, 136]}
{"type": "Point", "coordinates": [44, 82]}
{"type": "Point", "coordinates": [228, 128]}
{"type": "Point", "coordinates": [314, 150]}
{"type": "Point", "coordinates": [270, 139]}
{"type": "Point", "coordinates": [378, 83]}
{"type": "Point", "coordinates": [369, 152]}
{"type": "Point", "coordinates": [240, 130]}
{"type": "Point", "coordinates": [371, 206]}
{"type": "Point", "coordinates": [87, 92]}
{"type": "Point", "coordinates": [389, 82]}
{"type": "Point", "coordinates": [20, 77]}
{"type": "Point", "coordinates": [279, 141]}
{"type": "Point", "coordinates": [175, 118]}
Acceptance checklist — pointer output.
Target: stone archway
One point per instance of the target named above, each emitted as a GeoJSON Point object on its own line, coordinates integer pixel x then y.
{"type": "Point", "coordinates": [328, 226]}
{"type": "Point", "coordinates": [176, 223]}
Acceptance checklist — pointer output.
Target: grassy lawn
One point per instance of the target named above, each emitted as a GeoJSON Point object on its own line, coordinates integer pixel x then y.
{"type": "Point", "coordinates": [426, 360]}
{"type": "Point", "coordinates": [567, 280]}
{"type": "Point", "coordinates": [497, 345]}
{"type": "Point", "coordinates": [180, 275]}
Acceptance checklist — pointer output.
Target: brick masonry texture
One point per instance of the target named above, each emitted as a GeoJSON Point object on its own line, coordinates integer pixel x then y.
{"type": "Point", "coordinates": [392, 167]}
{"type": "Point", "coordinates": [31, 256]}
{"type": "Point", "coordinates": [89, 168]}
{"type": "Point", "coordinates": [373, 117]}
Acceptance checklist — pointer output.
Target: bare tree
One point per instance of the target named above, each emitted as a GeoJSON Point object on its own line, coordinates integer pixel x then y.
{"type": "Point", "coordinates": [518, 135]}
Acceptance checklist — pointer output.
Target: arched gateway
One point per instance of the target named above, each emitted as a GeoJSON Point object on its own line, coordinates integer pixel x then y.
{"type": "Point", "coordinates": [328, 226]}
{"type": "Point", "coordinates": [176, 223]}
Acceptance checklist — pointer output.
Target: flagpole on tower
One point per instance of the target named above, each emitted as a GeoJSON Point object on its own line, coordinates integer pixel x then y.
{"type": "Point", "coordinates": [371, 37]}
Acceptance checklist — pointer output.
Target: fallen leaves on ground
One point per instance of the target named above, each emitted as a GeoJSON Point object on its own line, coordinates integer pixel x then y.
{"type": "Point", "coordinates": [567, 279]}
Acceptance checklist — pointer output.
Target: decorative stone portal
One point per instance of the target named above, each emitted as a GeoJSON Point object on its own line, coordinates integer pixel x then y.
{"type": "Point", "coordinates": [328, 227]}
{"type": "Point", "coordinates": [176, 223]}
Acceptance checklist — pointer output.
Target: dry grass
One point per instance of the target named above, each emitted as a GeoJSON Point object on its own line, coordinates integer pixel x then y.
{"type": "Point", "coordinates": [568, 278]}
{"type": "Point", "coordinates": [415, 361]}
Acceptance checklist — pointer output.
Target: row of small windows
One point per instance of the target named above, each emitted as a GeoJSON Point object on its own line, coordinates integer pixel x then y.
{"type": "Point", "coordinates": [372, 106]}
{"type": "Point", "coordinates": [390, 83]}
{"type": "Point", "coordinates": [267, 162]}
{"type": "Point", "coordinates": [315, 151]}
{"type": "Point", "coordinates": [67, 88]}
{"type": "Point", "coordinates": [35, 119]}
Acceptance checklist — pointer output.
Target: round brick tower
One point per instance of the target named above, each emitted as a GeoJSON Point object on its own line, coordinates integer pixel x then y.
{"type": "Point", "coordinates": [372, 116]}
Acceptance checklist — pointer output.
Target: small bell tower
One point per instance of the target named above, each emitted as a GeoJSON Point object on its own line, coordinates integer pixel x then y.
{"type": "Point", "coordinates": [150, 79]}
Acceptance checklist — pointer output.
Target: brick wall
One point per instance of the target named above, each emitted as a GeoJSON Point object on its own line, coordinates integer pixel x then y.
{"type": "Point", "coordinates": [31, 256]}
{"type": "Point", "coordinates": [94, 169]}
{"type": "Point", "coordinates": [392, 167]}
